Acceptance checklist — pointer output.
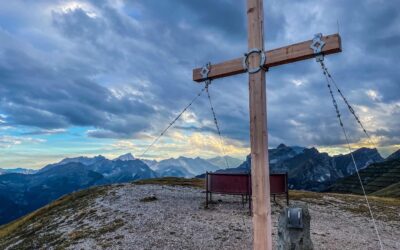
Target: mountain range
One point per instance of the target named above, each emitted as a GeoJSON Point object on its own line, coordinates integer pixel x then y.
{"type": "Point", "coordinates": [309, 169]}
{"type": "Point", "coordinates": [23, 191]}
{"type": "Point", "coordinates": [184, 166]}
{"type": "Point", "coordinates": [17, 170]}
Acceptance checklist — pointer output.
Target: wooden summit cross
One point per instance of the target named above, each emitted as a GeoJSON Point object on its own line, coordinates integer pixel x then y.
{"type": "Point", "coordinates": [257, 66]}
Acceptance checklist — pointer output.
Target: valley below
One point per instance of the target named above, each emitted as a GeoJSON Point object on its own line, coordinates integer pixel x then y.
{"type": "Point", "coordinates": [170, 214]}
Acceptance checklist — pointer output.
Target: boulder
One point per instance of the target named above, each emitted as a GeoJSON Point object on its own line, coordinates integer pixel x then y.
{"type": "Point", "coordinates": [295, 235]}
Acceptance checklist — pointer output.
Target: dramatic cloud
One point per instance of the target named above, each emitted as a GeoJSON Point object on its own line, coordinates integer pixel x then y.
{"type": "Point", "coordinates": [121, 70]}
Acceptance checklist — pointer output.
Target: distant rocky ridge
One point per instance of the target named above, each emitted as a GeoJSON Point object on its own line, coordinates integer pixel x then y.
{"type": "Point", "coordinates": [125, 157]}
{"type": "Point", "coordinates": [17, 170]}
{"type": "Point", "coordinates": [184, 166]}
{"type": "Point", "coordinates": [308, 169]}
{"type": "Point", "coordinates": [22, 193]}
{"type": "Point", "coordinates": [382, 179]}
{"type": "Point", "coordinates": [223, 161]}
{"type": "Point", "coordinates": [394, 156]}
{"type": "Point", "coordinates": [276, 157]}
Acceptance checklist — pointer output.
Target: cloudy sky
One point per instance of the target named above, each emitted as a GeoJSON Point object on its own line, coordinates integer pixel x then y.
{"type": "Point", "coordinates": [106, 77]}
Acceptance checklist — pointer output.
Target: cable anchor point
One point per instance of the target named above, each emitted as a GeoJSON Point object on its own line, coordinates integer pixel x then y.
{"type": "Point", "coordinates": [317, 45]}
{"type": "Point", "coordinates": [205, 71]}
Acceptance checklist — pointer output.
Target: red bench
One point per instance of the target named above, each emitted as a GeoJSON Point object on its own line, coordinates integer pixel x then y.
{"type": "Point", "coordinates": [240, 184]}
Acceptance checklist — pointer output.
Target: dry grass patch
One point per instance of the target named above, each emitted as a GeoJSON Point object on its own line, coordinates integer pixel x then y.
{"type": "Point", "coordinates": [300, 195]}
{"type": "Point", "coordinates": [173, 181]}
{"type": "Point", "coordinates": [384, 208]}
{"type": "Point", "coordinates": [41, 220]}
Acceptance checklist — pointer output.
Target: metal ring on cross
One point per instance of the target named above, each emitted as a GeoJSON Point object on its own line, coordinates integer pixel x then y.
{"type": "Point", "coordinates": [245, 61]}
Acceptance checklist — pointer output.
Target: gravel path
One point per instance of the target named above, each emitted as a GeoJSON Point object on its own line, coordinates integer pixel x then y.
{"type": "Point", "coordinates": [177, 220]}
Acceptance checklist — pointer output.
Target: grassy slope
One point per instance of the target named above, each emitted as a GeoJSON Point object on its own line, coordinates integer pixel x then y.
{"type": "Point", "coordinates": [390, 191]}
{"type": "Point", "coordinates": [173, 181]}
{"type": "Point", "coordinates": [376, 177]}
{"type": "Point", "coordinates": [26, 226]}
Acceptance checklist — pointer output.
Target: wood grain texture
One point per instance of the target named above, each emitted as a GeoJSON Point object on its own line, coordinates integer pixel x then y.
{"type": "Point", "coordinates": [288, 54]}
{"type": "Point", "coordinates": [262, 226]}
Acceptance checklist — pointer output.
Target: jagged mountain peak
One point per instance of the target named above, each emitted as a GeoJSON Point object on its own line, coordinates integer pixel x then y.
{"type": "Point", "coordinates": [281, 146]}
{"type": "Point", "coordinates": [125, 157]}
{"type": "Point", "coordinates": [83, 159]}
{"type": "Point", "coordinates": [362, 150]}
{"type": "Point", "coordinates": [394, 156]}
{"type": "Point", "coordinates": [311, 152]}
{"type": "Point", "coordinates": [184, 158]}
{"type": "Point", "coordinates": [366, 150]}
{"type": "Point", "coordinates": [284, 148]}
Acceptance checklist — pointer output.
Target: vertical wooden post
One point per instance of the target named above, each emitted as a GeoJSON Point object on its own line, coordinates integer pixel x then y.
{"type": "Point", "coordinates": [262, 232]}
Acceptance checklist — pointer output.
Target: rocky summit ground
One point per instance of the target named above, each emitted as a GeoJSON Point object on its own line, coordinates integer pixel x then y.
{"type": "Point", "coordinates": [132, 216]}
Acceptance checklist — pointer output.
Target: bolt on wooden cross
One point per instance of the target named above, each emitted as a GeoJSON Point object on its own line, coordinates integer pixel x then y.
{"type": "Point", "coordinates": [257, 66]}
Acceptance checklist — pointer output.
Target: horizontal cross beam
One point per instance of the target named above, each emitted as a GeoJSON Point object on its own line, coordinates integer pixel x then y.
{"type": "Point", "coordinates": [275, 57]}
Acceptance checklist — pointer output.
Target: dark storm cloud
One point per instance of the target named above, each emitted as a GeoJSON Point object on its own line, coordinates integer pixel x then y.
{"type": "Point", "coordinates": [152, 46]}
{"type": "Point", "coordinates": [35, 94]}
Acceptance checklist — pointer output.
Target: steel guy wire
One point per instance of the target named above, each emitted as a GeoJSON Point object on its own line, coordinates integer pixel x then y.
{"type": "Point", "coordinates": [352, 111]}
{"type": "Point", "coordinates": [172, 122]}
{"type": "Point", "coordinates": [204, 72]}
{"type": "Point", "coordinates": [352, 156]}
{"type": "Point", "coordinates": [216, 122]}
{"type": "Point", "coordinates": [208, 82]}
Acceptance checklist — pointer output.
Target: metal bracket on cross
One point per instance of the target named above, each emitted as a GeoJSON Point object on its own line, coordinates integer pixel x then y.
{"type": "Point", "coordinates": [317, 45]}
{"type": "Point", "coordinates": [245, 61]}
{"type": "Point", "coordinates": [205, 70]}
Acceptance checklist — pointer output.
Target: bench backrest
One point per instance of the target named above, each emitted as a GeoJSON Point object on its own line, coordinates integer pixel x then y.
{"type": "Point", "coordinates": [278, 183]}
{"type": "Point", "coordinates": [233, 183]}
{"type": "Point", "coordinates": [228, 183]}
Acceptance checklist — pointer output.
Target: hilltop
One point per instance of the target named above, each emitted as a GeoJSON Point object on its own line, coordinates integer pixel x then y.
{"type": "Point", "coordinates": [148, 215]}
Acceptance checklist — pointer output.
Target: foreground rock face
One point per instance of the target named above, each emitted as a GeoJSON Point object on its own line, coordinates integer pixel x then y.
{"type": "Point", "coordinates": [290, 238]}
{"type": "Point", "coordinates": [120, 217]}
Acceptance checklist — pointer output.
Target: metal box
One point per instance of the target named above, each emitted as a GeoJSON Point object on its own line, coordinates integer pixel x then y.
{"type": "Point", "coordinates": [295, 217]}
